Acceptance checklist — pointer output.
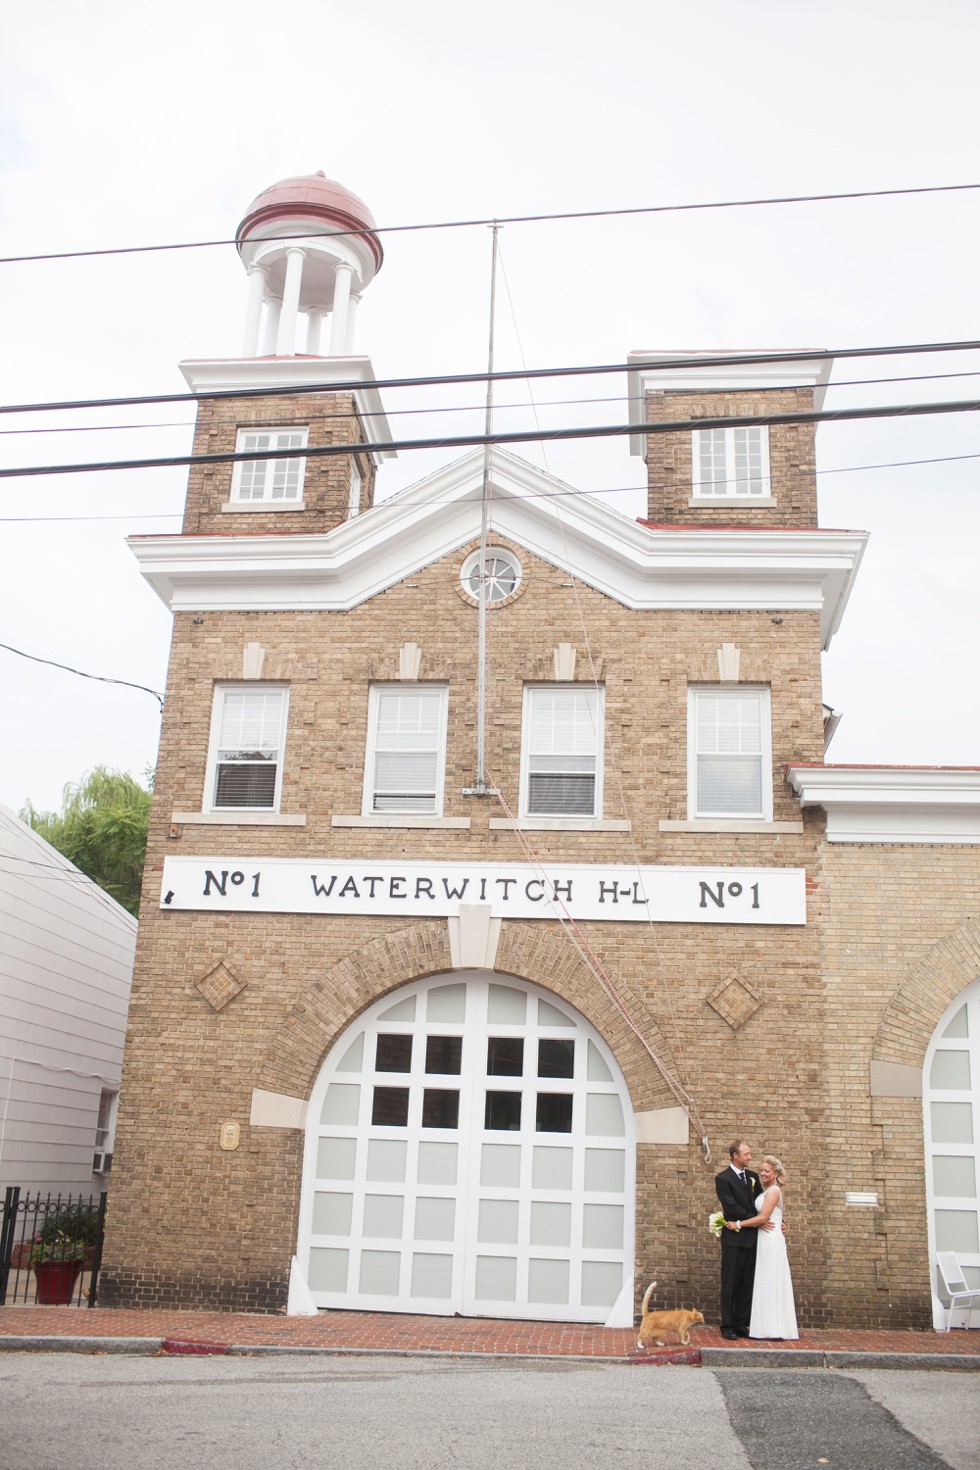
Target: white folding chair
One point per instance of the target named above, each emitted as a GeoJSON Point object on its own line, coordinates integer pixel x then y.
{"type": "Point", "coordinates": [960, 1295]}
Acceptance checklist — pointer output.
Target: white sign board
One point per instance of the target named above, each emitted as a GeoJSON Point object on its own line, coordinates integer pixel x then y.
{"type": "Point", "coordinates": [702, 895]}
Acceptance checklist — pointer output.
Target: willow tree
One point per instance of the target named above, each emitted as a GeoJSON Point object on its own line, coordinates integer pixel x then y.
{"type": "Point", "coordinates": [102, 829]}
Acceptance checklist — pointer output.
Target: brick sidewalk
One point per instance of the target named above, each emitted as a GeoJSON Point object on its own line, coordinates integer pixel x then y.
{"type": "Point", "coordinates": [380, 1332]}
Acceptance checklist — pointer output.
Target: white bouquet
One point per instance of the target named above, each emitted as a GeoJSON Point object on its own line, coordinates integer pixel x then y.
{"type": "Point", "coordinates": [716, 1224]}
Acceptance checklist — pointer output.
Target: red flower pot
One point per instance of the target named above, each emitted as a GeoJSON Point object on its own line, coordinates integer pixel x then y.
{"type": "Point", "coordinates": [56, 1281]}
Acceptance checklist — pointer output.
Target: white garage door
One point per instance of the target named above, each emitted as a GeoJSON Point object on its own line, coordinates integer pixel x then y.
{"type": "Point", "coordinates": [951, 1098]}
{"type": "Point", "coordinates": [470, 1149]}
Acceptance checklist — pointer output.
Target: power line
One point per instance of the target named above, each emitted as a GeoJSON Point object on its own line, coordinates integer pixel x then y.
{"type": "Point", "coordinates": [101, 678]}
{"type": "Point", "coordinates": [503, 436]}
{"type": "Point", "coordinates": [518, 407]}
{"type": "Point", "coordinates": [847, 469]}
{"type": "Point", "coordinates": [648, 364]}
{"type": "Point", "coordinates": [515, 219]}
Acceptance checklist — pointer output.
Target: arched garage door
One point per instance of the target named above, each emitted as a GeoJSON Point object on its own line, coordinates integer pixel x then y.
{"type": "Point", "coordinates": [470, 1149]}
{"type": "Point", "coordinates": [951, 1097]}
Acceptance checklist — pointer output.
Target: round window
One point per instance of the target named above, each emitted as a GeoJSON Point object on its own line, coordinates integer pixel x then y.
{"type": "Point", "coordinates": [493, 578]}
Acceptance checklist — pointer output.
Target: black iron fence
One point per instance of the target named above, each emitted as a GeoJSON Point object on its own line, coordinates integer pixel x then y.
{"type": "Point", "coordinates": [50, 1248]}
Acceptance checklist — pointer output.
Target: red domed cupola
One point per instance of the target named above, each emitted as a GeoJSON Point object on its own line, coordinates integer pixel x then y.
{"type": "Point", "coordinates": [309, 245]}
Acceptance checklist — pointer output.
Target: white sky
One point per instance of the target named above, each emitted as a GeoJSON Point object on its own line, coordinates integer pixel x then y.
{"type": "Point", "coordinates": [125, 125]}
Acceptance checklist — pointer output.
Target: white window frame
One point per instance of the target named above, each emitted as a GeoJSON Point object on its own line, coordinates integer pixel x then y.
{"type": "Point", "coordinates": [732, 444]}
{"type": "Point", "coordinates": [270, 482]}
{"type": "Point", "coordinates": [761, 696]}
{"type": "Point", "coordinates": [221, 693]}
{"type": "Point", "coordinates": [422, 804]}
{"type": "Point", "coordinates": [531, 693]}
{"type": "Point", "coordinates": [354, 491]}
{"type": "Point", "coordinates": [105, 1131]}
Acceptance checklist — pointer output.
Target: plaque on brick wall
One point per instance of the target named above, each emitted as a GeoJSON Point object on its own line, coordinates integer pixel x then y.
{"type": "Point", "coordinates": [219, 986]}
{"type": "Point", "coordinates": [361, 887]}
{"type": "Point", "coordinates": [735, 1001]}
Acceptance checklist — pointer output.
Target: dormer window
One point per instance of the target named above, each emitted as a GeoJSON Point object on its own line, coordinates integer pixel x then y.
{"type": "Point", "coordinates": [269, 481]}
{"type": "Point", "coordinates": [731, 464]}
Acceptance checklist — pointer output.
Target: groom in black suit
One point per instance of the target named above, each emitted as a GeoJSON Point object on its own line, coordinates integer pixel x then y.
{"type": "Point", "coordinates": [736, 1188]}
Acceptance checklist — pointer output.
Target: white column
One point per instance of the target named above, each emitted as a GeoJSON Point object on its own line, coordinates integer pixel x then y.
{"type": "Point", "coordinates": [273, 308]}
{"type": "Point", "coordinates": [352, 306]}
{"type": "Point", "coordinates": [286, 341]}
{"type": "Point", "coordinates": [257, 277]}
{"type": "Point", "coordinates": [314, 321]}
{"type": "Point", "coordinates": [341, 304]}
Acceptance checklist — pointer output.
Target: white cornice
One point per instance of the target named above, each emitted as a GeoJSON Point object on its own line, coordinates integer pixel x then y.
{"type": "Point", "coordinates": [224, 375]}
{"type": "Point", "coordinates": [653, 372]}
{"type": "Point", "coordinates": [897, 804]}
{"type": "Point", "coordinates": [638, 567]}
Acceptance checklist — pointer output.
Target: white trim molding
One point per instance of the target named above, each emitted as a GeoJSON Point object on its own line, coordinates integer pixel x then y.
{"type": "Point", "coordinates": [659, 372]}
{"type": "Point", "coordinates": [641, 567]}
{"type": "Point", "coordinates": [893, 804]}
{"type": "Point", "coordinates": [307, 374]}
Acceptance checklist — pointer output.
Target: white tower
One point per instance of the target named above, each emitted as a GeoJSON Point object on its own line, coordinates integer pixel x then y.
{"type": "Point", "coordinates": [309, 247]}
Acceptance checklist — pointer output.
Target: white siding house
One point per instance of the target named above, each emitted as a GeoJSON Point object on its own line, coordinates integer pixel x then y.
{"type": "Point", "coordinates": [66, 966]}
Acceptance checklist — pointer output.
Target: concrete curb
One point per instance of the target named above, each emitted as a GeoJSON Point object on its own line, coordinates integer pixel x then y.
{"type": "Point", "coordinates": [758, 1358]}
{"type": "Point", "coordinates": [815, 1358]}
{"type": "Point", "coordinates": [145, 1346]}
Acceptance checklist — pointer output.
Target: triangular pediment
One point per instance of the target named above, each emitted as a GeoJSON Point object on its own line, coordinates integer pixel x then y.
{"type": "Point", "coordinates": [639, 566]}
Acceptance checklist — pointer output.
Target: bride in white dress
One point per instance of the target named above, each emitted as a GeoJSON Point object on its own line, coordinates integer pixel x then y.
{"type": "Point", "coordinates": [773, 1310]}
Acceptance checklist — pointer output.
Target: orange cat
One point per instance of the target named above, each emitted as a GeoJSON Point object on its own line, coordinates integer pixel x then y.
{"type": "Point", "coordinates": [656, 1325]}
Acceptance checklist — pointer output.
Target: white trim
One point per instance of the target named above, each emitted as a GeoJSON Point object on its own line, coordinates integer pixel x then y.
{"type": "Point", "coordinates": [638, 567]}
{"type": "Point", "coordinates": [240, 817]}
{"type": "Point", "coordinates": [722, 502]}
{"type": "Point", "coordinates": [762, 694]}
{"type": "Point", "coordinates": [221, 691]}
{"type": "Point", "coordinates": [244, 507]}
{"type": "Point", "coordinates": [728, 824]}
{"type": "Point", "coordinates": [747, 377]}
{"type": "Point", "coordinates": [354, 488]}
{"type": "Point", "coordinates": [925, 804]}
{"type": "Point", "coordinates": [417, 823]}
{"type": "Point", "coordinates": [559, 824]}
{"type": "Point", "coordinates": [332, 374]}
{"type": "Point", "coordinates": [405, 689]}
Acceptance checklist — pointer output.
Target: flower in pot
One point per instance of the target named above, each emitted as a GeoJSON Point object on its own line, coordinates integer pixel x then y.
{"type": "Point", "coordinates": [57, 1258]}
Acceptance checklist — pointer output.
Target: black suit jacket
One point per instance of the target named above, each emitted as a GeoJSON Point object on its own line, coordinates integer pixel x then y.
{"type": "Point", "coordinates": [737, 1201]}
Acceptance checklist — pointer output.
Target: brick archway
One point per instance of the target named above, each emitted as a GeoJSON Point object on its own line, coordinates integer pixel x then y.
{"type": "Point", "coordinates": [925, 994]}
{"type": "Point", "coordinates": [534, 952]}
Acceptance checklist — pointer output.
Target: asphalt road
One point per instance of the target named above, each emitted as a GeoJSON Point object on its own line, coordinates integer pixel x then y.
{"type": "Point", "coordinates": [108, 1412]}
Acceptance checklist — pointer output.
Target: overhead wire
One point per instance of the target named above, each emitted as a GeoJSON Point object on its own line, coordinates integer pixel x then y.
{"type": "Point", "coordinates": [451, 408]}
{"type": "Point", "coordinates": [68, 669]}
{"type": "Point", "coordinates": [567, 494]}
{"type": "Point", "coordinates": [504, 436]}
{"type": "Point", "coordinates": [643, 364]}
{"type": "Point", "coordinates": [515, 219]}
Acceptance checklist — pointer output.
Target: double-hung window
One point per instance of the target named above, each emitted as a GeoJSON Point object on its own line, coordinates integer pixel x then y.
{"type": "Point", "coordinates": [731, 464]}
{"type": "Point", "coordinates": [269, 481]}
{"type": "Point", "coordinates": [245, 762]}
{"type": "Point", "coordinates": [729, 753]}
{"type": "Point", "coordinates": [406, 755]}
{"type": "Point", "coordinates": [561, 758]}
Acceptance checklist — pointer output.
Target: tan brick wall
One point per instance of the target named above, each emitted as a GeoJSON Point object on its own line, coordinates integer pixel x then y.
{"type": "Point", "coordinates": [331, 419]}
{"type": "Point", "coordinates": [792, 461]}
{"type": "Point", "coordinates": [891, 936]}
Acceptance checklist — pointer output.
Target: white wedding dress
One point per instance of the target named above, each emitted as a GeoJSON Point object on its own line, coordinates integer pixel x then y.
{"type": "Point", "coordinates": [773, 1310]}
